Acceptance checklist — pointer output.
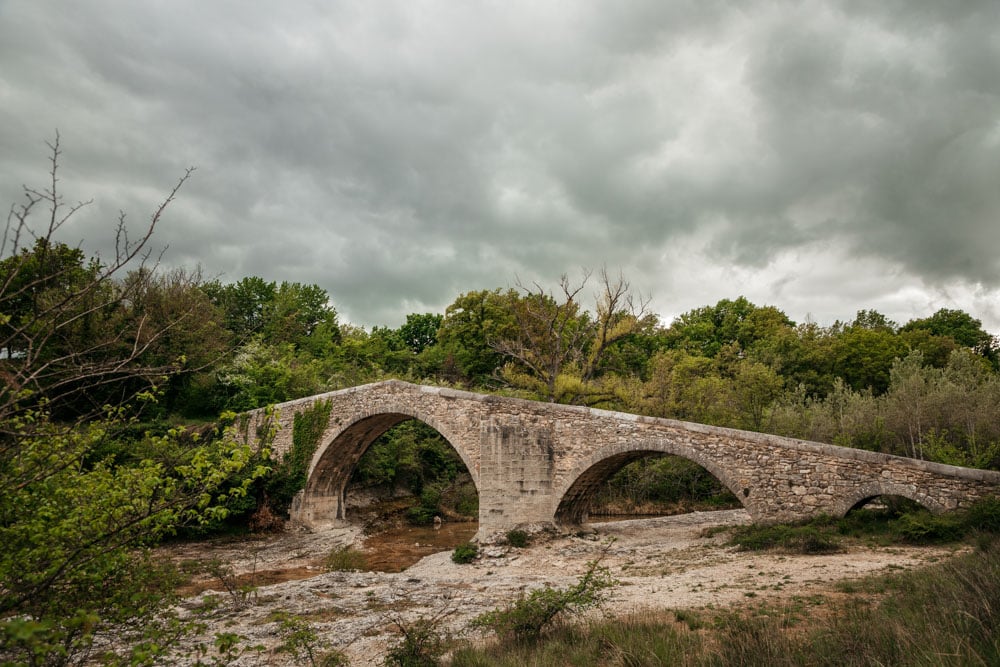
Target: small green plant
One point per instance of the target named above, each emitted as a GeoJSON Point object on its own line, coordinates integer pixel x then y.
{"type": "Point", "coordinates": [465, 553]}
{"type": "Point", "coordinates": [529, 617]}
{"type": "Point", "coordinates": [690, 618]}
{"type": "Point", "coordinates": [226, 649]}
{"type": "Point", "coordinates": [517, 538]}
{"type": "Point", "coordinates": [242, 590]}
{"type": "Point", "coordinates": [346, 559]}
{"type": "Point", "coordinates": [422, 642]}
{"type": "Point", "coordinates": [300, 639]}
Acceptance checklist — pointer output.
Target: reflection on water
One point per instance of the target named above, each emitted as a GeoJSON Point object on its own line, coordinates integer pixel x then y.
{"type": "Point", "coordinates": [399, 548]}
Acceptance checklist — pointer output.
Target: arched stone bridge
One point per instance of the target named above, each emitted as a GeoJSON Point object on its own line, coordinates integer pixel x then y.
{"type": "Point", "coordinates": [538, 463]}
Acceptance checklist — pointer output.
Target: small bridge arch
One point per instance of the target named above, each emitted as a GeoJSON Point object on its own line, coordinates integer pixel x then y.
{"type": "Point", "coordinates": [591, 473]}
{"type": "Point", "coordinates": [873, 490]}
{"type": "Point", "coordinates": [534, 463]}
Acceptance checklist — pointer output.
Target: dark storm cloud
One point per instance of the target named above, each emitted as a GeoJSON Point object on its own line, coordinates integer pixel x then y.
{"type": "Point", "coordinates": [398, 154]}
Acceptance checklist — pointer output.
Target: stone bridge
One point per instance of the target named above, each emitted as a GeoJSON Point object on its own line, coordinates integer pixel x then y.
{"type": "Point", "coordinates": [537, 463]}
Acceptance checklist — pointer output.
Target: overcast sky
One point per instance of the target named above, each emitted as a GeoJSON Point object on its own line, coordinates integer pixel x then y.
{"type": "Point", "coordinates": [822, 157]}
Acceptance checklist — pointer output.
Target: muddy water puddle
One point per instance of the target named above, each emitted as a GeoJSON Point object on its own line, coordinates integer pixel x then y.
{"type": "Point", "coordinates": [397, 549]}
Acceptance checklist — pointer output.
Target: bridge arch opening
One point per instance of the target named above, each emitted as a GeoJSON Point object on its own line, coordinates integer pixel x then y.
{"type": "Point", "coordinates": [888, 505]}
{"type": "Point", "coordinates": [888, 499]}
{"type": "Point", "coordinates": [414, 463]}
{"type": "Point", "coordinates": [401, 479]}
{"type": "Point", "coordinates": [643, 483]}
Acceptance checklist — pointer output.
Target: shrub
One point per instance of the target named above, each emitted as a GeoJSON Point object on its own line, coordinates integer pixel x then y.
{"type": "Point", "coordinates": [300, 639]}
{"type": "Point", "coordinates": [803, 538]}
{"type": "Point", "coordinates": [528, 617]}
{"type": "Point", "coordinates": [926, 528]}
{"type": "Point", "coordinates": [517, 538]}
{"type": "Point", "coordinates": [346, 559]}
{"type": "Point", "coordinates": [429, 507]}
{"type": "Point", "coordinates": [984, 515]}
{"type": "Point", "coordinates": [422, 642]}
{"type": "Point", "coordinates": [465, 553]}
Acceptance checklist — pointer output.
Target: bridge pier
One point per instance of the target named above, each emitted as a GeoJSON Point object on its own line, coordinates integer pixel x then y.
{"type": "Point", "coordinates": [317, 512]}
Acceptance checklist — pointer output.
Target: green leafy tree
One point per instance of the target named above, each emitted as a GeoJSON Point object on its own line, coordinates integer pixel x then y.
{"type": "Point", "coordinates": [260, 374]}
{"type": "Point", "coordinates": [557, 346]}
{"type": "Point", "coordinates": [277, 313]}
{"type": "Point", "coordinates": [961, 327]}
{"type": "Point", "coordinates": [245, 303]}
{"type": "Point", "coordinates": [301, 315]}
{"type": "Point", "coordinates": [470, 325]}
{"type": "Point", "coordinates": [419, 332]}
{"type": "Point", "coordinates": [864, 357]}
{"type": "Point", "coordinates": [74, 529]}
{"type": "Point", "coordinates": [77, 503]}
{"type": "Point", "coordinates": [705, 331]}
{"type": "Point", "coordinates": [755, 387]}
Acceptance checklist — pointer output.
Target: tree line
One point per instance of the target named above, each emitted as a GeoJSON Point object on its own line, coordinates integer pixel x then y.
{"type": "Point", "coordinates": [927, 389]}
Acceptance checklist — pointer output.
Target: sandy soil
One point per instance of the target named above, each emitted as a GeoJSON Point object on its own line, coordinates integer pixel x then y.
{"type": "Point", "coordinates": [662, 563]}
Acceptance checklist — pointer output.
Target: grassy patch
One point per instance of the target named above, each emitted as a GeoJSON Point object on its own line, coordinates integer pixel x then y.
{"type": "Point", "coordinates": [346, 559]}
{"type": "Point", "coordinates": [811, 538]}
{"type": "Point", "coordinates": [887, 524]}
{"type": "Point", "coordinates": [945, 614]}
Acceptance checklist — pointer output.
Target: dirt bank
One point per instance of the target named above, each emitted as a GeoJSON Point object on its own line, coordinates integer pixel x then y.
{"type": "Point", "coordinates": [665, 563]}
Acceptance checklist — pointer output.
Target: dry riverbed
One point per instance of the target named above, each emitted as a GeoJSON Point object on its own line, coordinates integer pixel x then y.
{"type": "Point", "coordinates": [661, 563]}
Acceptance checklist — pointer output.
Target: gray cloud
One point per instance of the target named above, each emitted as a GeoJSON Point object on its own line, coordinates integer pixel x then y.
{"type": "Point", "coordinates": [823, 157]}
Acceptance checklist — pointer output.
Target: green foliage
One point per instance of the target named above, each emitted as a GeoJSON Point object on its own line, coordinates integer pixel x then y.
{"type": "Point", "coordinates": [706, 331]}
{"type": "Point", "coordinates": [529, 617]}
{"type": "Point", "coordinates": [517, 538]}
{"type": "Point", "coordinates": [894, 520]}
{"type": "Point", "coordinates": [463, 499]}
{"type": "Point", "coordinates": [660, 483]}
{"type": "Point", "coordinates": [422, 641]}
{"type": "Point", "coordinates": [301, 640]}
{"type": "Point", "coordinates": [803, 538]}
{"type": "Point", "coordinates": [423, 513]}
{"type": "Point", "coordinates": [346, 559]}
{"type": "Point", "coordinates": [410, 454]}
{"type": "Point", "coordinates": [262, 374]}
{"type": "Point", "coordinates": [73, 526]}
{"type": "Point", "coordinates": [470, 323]}
{"type": "Point", "coordinates": [963, 328]}
{"type": "Point", "coordinates": [926, 528]}
{"type": "Point", "coordinates": [984, 515]}
{"type": "Point", "coordinates": [940, 615]}
{"type": "Point", "coordinates": [288, 476]}
{"type": "Point", "coordinates": [420, 331]}
{"type": "Point", "coordinates": [289, 313]}
{"type": "Point", "coordinates": [465, 553]}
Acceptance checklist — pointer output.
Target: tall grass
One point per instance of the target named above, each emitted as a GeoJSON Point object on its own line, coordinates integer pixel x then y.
{"type": "Point", "coordinates": [947, 614]}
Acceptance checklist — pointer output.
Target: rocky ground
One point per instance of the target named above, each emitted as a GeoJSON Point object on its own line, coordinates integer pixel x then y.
{"type": "Point", "coordinates": [661, 563]}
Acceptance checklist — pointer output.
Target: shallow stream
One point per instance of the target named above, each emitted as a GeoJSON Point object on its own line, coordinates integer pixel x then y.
{"type": "Point", "coordinates": [396, 549]}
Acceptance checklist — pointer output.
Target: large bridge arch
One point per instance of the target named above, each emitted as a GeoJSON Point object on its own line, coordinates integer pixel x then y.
{"type": "Point", "coordinates": [573, 496]}
{"type": "Point", "coordinates": [345, 441]}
